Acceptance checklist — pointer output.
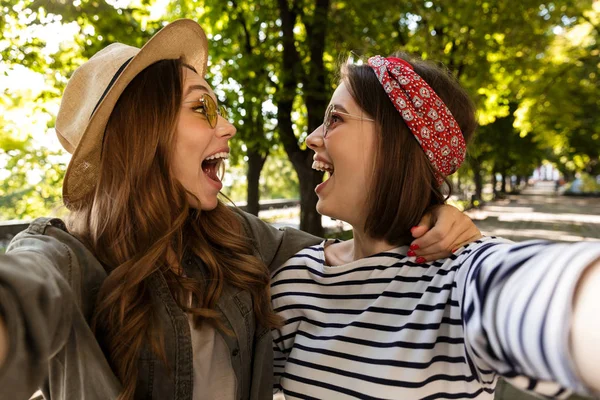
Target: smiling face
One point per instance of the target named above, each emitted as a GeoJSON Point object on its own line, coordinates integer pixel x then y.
{"type": "Point", "coordinates": [347, 153]}
{"type": "Point", "coordinates": [199, 148]}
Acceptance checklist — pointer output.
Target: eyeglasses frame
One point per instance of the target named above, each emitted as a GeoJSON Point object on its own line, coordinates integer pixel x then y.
{"type": "Point", "coordinates": [208, 103]}
{"type": "Point", "coordinates": [327, 118]}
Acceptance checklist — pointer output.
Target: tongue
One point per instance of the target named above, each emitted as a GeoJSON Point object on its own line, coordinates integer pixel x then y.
{"type": "Point", "coordinates": [210, 169]}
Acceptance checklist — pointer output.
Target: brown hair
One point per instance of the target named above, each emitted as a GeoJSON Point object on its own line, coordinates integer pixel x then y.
{"type": "Point", "coordinates": [404, 184]}
{"type": "Point", "coordinates": [138, 223]}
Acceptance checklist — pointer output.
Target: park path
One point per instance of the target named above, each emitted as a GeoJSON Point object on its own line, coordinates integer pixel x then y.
{"type": "Point", "coordinates": [540, 213]}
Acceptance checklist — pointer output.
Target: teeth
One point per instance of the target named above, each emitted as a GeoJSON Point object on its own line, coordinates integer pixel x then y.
{"type": "Point", "coordinates": [218, 155]}
{"type": "Point", "coordinates": [322, 166]}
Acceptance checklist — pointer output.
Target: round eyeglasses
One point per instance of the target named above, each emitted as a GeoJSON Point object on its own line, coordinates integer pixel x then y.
{"type": "Point", "coordinates": [209, 109]}
{"type": "Point", "coordinates": [332, 112]}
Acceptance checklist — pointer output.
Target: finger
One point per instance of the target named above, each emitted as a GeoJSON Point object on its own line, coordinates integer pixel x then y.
{"type": "Point", "coordinates": [423, 227]}
{"type": "Point", "coordinates": [460, 233]}
{"type": "Point", "coordinates": [443, 244]}
{"type": "Point", "coordinates": [444, 228]}
{"type": "Point", "coordinates": [468, 235]}
{"type": "Point", "coordinates": [446, 248]}
{"type": "Point", "coordinates": [444, 217]}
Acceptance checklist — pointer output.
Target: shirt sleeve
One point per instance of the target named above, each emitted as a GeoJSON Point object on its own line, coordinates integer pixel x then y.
{"type": "Point", "coordinates": [36, 303]}
{"type": "Point", "coordinates": [275, 246]}
{"type": "Point", "coordinates": [517, 309]}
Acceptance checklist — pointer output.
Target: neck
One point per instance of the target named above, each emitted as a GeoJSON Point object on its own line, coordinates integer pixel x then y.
{"type": "Point", "coordinates": [364, 245]}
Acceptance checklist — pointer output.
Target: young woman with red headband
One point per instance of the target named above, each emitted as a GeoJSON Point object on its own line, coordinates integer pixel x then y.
{"type": "Point", "coordinates": [365, 319]}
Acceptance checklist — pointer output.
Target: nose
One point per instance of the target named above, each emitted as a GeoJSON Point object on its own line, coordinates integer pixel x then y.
{"type": "Point", "coordinates": [315, 139]}
{"type": "Point", "coordinates": [225, 128]}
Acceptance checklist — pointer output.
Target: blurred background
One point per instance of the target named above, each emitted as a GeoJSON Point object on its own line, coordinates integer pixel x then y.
{"type": "Point", "coordinates": [531, 67]}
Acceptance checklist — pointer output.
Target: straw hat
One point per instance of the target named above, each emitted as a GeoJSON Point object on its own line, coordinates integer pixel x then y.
{"type": "Point", "coordinates": [95, 87]}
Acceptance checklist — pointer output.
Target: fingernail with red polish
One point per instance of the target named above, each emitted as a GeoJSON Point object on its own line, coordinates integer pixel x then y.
{"type": "Point", "coordinates": [421, 260]}
{"type": "Point", "coordinates": [454, 251]}
{"type": "Point", "coordinates": [414, 247]}
{"type": "Point", "coordinates": [411, 253]}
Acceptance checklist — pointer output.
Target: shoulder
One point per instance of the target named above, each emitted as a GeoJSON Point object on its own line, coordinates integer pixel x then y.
{"type": "Point", "coordinates": [249, 222]}
{"type": "Point", "coordinates": [46, 235]}
{"type": "Point", "coordinates": [50, 239]}
{"type": "Point", "coordinates": [302, 263]}
{"type": "Point", "coordinates": [274, 245]}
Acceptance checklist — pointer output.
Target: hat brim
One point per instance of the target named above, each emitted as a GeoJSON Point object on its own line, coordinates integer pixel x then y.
{"type": "Point", "coordinates": [180, 39]}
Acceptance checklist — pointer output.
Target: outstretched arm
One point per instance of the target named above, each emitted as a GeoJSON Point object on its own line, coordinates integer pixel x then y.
{"type": "Point", "coordinates": [530, 313]}
{"type": "Point", "coordinates": [36, 308]}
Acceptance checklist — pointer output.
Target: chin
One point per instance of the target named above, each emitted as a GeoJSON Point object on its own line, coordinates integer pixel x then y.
{"type": "Point", "coordinates": [324, 210]}
{"type": "Point", "coordinates": [336, 212]}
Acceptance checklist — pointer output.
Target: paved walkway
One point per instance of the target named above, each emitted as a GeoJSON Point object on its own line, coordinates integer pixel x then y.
{"type": "Point", "coordinates": [539, 213]}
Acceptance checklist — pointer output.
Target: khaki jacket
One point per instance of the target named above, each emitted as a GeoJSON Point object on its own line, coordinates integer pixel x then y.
{"type": "Point", "coordinates": [48, 287]}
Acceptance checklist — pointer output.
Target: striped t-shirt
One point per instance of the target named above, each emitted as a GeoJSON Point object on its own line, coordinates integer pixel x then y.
{"type": "Point", "coordinates": [386, 327]}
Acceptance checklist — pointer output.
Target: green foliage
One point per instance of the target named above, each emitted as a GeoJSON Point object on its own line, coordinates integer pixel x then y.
{"type": "Point", "coordinates": [531, 67]}
{"type": "Point", "coordinates": [34, 185]}
{"type": "Point", "coordinates": [562, 104]}
{"type": "Point", "coordinates": [505, 150]}
{"type": "Point", "coordinates": [279, 179]}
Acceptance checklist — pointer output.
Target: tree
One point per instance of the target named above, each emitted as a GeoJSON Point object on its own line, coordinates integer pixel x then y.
{"type": "Point", "coordinates": [494, 48]}
{"type": "Point", "coordinates": [273, 63]}
{"type": "Point", "coordinates": [507, 151]}
{"type": "Point", "coordinates": [561, 105]}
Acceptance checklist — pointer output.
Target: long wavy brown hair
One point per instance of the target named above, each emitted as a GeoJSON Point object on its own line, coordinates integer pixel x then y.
{"type": "Point", "coordinates": [138, 222]}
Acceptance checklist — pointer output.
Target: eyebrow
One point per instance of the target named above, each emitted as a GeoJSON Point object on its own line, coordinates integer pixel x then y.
{"type": "Point", "coordinates": [190, 67]}
{"type": "Point", "coordinates": [195, 87]}
{"type": "Point", "coordinates": [341, 108]}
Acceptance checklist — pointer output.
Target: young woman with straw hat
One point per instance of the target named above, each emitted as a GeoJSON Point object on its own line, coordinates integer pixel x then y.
{"type": "Point", "coordinates": [152, 288]}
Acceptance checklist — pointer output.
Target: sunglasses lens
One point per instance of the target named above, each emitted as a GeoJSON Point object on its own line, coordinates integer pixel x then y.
{"type": "Point", "coordinates": [211, 110]}
{"type": "Point", "coordinates": [223, 112]}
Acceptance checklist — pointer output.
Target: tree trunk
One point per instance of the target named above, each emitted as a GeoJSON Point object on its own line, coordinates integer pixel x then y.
{"type": "Point", "coordinates": [310, 220]}
{"type": "Point", "coordinates": [256, 161]}
{"type": "Point", "coordinates": [316, 90]}
{"type": "Point", "coordinates": [503, 187]}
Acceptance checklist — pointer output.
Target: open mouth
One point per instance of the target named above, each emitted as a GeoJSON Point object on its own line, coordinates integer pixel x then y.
{"type": "Point", "coordinates": [325, 167]}
{"type": "Point", "coordinates": [213, 164]}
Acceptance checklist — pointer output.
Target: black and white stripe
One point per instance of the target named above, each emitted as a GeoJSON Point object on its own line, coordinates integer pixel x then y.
{"type": "Point", "coordinates": [385, 327]}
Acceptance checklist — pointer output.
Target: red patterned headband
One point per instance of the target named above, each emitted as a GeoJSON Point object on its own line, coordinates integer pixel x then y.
{"type": "Point", "coordinates": [428, 118]}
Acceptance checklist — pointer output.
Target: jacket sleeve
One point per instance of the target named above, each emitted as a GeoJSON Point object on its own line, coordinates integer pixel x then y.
{"type": "Point", "coordinates": [36, 303]}
{"type": "Point", "coordinates": [275, 246]}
